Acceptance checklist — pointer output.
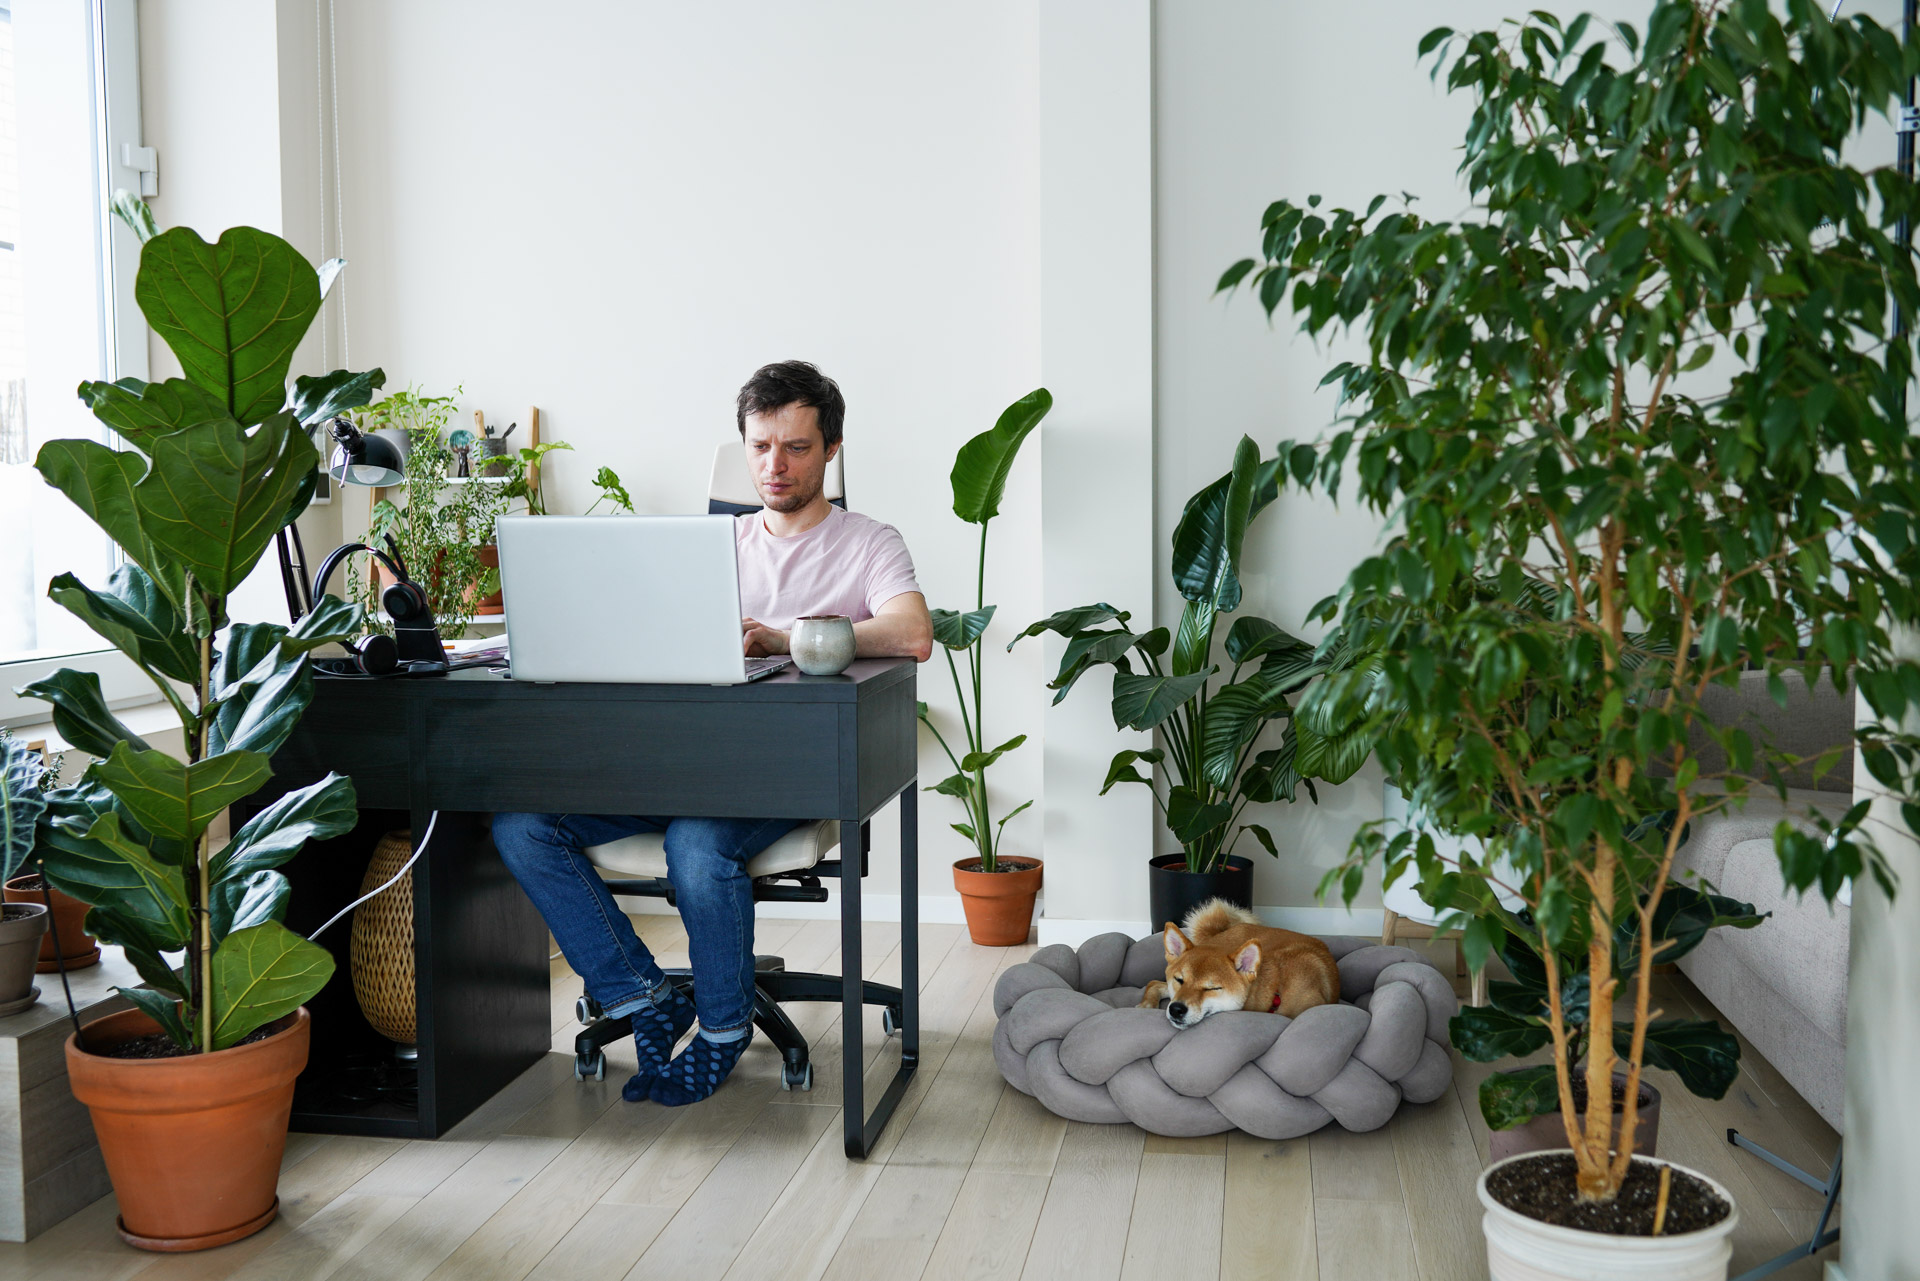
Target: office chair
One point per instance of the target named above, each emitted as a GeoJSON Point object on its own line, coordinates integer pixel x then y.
{"type": "Point", "coordinates": [788, 871]}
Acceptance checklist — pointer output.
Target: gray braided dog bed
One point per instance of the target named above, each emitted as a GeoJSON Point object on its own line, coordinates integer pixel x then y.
{"type": "Point", "coordinates": [1071, 1036]}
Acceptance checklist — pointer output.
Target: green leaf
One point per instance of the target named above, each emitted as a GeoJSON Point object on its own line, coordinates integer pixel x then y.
{"type": "Point", "coordinates": [173, 799]}
{"type": "Point", "coordinates": [260, 710]}
{"type": "Point", "coordinates": [80, 712]}
{"type": "Point", "coordinates": [1513, 1098]}
{"type": "Point", "coordinates": [1143, 700]}
{"type": "Point", "coordinates": [1190, 816]}
{"type": "Point", "coordinates": [1121, 769]}
{"type": "Point", "coordinates": [975, 761]}
{"type": "Point", "coordinates": [960, 631]}
{"type": "Point", "coordinates": [1681, 922]}
{"type": "Point", "coordinates": [1262, 835]}
{"type": "Point", "coordinates": [1206, 542]}
{"type": "Point", "coordinates": [1272, 776]}
{"type": "Point", "coordinates": [142, 945]}
{"type": "Point", "coordinates": [319, 397]}
{"type": "Point", "coordinates": [318, 812]}
{"type": "Point", "coordinates": [108, 867]}
{"type": "Point", "coordinates": [232, 312]}
{"type": "Point", "coordinates": [1333, 757]}
{"type": "Point", "coordinates": [21, 802]}
{"type": "Point", "coordinates": [1485, 1034]}
{"type": "Point", "coordinates": [1235, 717]}
{"type": "Point", "coordinates": [261, 973]}
{"type": "Point", "coordinates": [136, 618]}
{"type": "Point", "coordinates": [1251, 638]}
{"type": "Point", "coordinates": [217, 495]}
{"type": "Point", "coordinates": [164, 1009]}
{"type": "Point", "coordinates": [239, 903]}
{"type": "Point", "coordinates": [959, 786]}
{"type": "Point", "coordinates": [980, 468]}
{"type": "Point", "coordinates": [141, 411]}
{"type": "Point", "coordinates": [101, 483]}
{"type": "Point", "coordinates": [1069, 621]}
{"type": "Point", "coordinates": [1706, 1059]}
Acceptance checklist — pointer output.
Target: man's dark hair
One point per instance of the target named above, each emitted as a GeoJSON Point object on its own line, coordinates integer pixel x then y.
{"type": "Point", "coordinates": [793, 382]}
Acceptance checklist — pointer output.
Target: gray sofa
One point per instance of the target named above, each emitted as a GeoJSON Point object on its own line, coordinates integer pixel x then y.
{"type": "Point", "coordinates": [1783, 984]}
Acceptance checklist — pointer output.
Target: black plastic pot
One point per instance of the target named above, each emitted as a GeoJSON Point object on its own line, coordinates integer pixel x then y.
{"type": "Point", "coordinates": [1174, 891]}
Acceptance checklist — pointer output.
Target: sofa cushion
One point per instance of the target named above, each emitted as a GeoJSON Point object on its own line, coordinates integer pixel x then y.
{"type": "Point", "coordinates": [1811, 723]}
{"type": "Point", "coordinates": [1800, 951]}
{"type": "Point", "coordinates": [1711, 838]}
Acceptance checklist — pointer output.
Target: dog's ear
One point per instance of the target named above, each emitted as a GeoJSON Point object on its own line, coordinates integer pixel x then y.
{"type": "Point", "coordinates": [1248, 962]}
{"type": "Point", "coordinates": [1177, 943]}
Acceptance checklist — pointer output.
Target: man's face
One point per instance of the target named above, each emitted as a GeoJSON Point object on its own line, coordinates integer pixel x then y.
{"type": "Point", "coordinates": [787, 456]}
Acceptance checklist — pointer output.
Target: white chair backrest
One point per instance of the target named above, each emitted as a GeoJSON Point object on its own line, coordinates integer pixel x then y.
{"type": "Point", "coordinates": [732, 482]}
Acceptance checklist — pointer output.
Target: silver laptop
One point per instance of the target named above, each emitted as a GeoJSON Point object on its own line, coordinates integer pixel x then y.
{"type": "Point", "coordinates": [624, 600]}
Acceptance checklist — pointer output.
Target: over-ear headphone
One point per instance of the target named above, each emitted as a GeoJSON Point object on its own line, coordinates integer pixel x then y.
{"type": "Point", "coordinates": [414, 648]}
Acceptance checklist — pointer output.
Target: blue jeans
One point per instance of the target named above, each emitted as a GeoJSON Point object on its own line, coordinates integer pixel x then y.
{"type": "Point", "coordinates": [707, 864]}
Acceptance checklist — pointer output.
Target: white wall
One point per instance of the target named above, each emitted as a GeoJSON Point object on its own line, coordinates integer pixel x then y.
{"type": "Point", "coordinates": [619, 216]}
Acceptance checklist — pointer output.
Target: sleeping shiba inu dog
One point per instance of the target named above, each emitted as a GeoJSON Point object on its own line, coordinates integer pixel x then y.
{"type": "Point", "coordinates": [1226, 960]}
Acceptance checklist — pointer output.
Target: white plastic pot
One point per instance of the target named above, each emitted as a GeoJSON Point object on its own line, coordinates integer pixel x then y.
{"type": "Point", "coordinates": [1524, 1249]}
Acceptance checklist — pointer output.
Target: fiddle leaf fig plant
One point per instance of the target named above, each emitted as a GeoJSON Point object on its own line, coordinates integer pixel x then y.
{"type": "Point", "coordinates": [1210, 730]}
{"type": "Point", "coordinates": [213, 466]}
{"type": "Point", "coordinates": [1653, 388]}
{"type": "Point", "coordinates": [980, 472]}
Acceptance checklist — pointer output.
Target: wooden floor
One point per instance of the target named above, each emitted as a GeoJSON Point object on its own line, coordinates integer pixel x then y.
{"type": "Point", "coordinates": [558, 1179]}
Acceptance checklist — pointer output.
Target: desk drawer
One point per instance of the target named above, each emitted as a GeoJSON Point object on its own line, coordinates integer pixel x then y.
{"type": "Point", "coordinates": [616, 756]}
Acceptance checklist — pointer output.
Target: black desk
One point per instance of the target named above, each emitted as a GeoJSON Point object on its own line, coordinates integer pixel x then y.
{"type": "Point", "coordinates": [473, 744]}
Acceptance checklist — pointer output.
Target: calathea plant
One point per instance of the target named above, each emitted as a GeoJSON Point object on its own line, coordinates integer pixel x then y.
{"type": "Point", "coordinates": [214, 465]}
{"type": "Point", "coordinates": [1533, 403]}
{"type": "Point", "coordinates": [980, 473]}
{"type": "Point", "coordinates": [1211, 729]}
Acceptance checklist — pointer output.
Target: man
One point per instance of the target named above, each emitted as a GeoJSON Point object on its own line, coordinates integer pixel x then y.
{"type": "Point", "coordinates": [799, 555]}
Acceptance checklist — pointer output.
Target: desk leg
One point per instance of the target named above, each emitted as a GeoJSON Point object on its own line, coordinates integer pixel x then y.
{"type": "Point", "coordinates": [861, 1130]}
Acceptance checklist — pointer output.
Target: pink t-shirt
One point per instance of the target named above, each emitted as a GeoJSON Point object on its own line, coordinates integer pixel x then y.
{"type": "Point", "coordinates": [847, 564]}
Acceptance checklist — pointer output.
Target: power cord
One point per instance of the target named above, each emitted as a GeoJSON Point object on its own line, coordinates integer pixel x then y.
{"type": "Point", "coordinates": [391, 882]}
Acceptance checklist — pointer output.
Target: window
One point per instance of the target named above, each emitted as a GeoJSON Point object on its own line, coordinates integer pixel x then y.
{"type": "Point", "coordinates": [69, 105]}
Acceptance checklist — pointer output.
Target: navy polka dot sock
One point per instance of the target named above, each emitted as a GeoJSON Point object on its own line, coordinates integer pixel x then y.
{"type": "Point", "coordinates": [696, 1071]}
{"type": "Point", "coordinates": [657, 1028]}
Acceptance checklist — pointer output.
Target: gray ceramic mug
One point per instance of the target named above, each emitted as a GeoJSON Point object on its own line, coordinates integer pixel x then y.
{"type": "Point", "coordinates": [822, 644]}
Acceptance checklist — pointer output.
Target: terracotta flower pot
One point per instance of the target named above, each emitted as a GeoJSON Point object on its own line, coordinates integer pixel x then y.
{"type": "Point", "coordinates": [192, 1144]}
{"type": "Point", "coordinates": [1547, 1132]}
{"type": "Point", "coordinates": [493, 602]}
{"type": "Point", "coordinates": [21, 925]}
{"type": "Point", "coordinates": [999, 905]}
{"type": "Point", "coordinates": [69, 922]}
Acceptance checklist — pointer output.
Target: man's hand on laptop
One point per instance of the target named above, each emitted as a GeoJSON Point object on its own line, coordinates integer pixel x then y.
{"type": "Point", "coordinates": [760, 640]}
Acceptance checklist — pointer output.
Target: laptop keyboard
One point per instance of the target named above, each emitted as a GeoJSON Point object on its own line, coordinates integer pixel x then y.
{"type": "Point", "coordinates": [758, 667]}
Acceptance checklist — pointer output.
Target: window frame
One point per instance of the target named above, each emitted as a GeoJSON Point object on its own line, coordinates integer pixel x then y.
{"type": "Point", "coordinates": [114, 26]}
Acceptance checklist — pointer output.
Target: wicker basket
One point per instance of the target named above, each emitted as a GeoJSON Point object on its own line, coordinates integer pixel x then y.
{"type": "Point", "coordinates": [381, 953]}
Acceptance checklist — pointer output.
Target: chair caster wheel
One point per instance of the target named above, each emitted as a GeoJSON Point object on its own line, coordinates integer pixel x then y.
{"type": "Point", "coordinates": [586, 1010]}
{"type": "Point", "coordinates": [800, 1078]}
{"type": "Point", "coordinates": [590, 1065]}
{"type": "Point", "coordinates": [889, 1021]}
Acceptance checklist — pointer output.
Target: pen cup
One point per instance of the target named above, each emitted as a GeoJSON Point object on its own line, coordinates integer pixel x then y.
{"type": "Point", "coordinates": [822, 644]}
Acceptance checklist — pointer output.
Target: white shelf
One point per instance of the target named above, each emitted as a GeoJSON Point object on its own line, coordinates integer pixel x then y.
{"type": "Point", "coordinates": [480, 480]}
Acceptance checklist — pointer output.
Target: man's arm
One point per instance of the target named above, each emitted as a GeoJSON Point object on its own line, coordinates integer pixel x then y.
{"type": "Point", "coordinates": [901, 628]}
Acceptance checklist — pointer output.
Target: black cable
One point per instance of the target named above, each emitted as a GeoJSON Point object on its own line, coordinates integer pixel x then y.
{"type": "Point", "coordinates": [60, 958]}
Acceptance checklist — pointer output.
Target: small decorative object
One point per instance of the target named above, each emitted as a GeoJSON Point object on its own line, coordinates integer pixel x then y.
{"type": "Point", "coordinates": [462, 461]}
{"type": "Point", "coordinates": [1071, 1035]}
{"type": "Point", "coordinates": [381, 950]}
{"type": "Point", "coordinates": [494, 458]}
{"type": "Point", "coordinates": [822, 644]}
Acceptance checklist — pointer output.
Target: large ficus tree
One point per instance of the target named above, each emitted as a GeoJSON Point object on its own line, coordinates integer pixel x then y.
{"type": "Point", "coordinates": [1657, 370]}
{"type": "Point", "coordinates": [211, 467]}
